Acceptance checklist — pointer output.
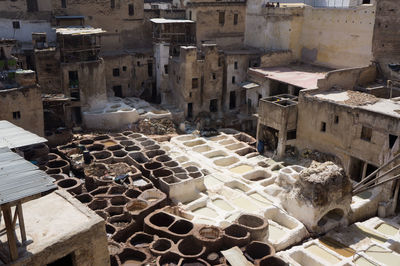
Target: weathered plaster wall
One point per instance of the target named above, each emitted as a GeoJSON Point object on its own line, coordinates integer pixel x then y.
{"type": "Point", "coordinates": [386, 41]}
{"type": "Point", "coordinates": [186, 67]}
{"type": "Point", "coordinates": [133, 72]}
{"type": "Point", "coordinates": [338, 38]}
{"type": "Point", "coordinates": [343, 138]}
{"type": "Point", "coordinates": [123, 30]}
{"type": "Point", "coordinates": [348, 78]}
{"type": "Point", "coordinates": [26, 101]}
{"type": "Point", "coordinates": [161, 56]}
{"type": "Point", "coordinates": [92, 82]}
{"type": "Point", "coordinates": [47, 63]}
{"type": "Point", "coordinates": [312, 34]}
{"type": "Point", "coordinates": [24, 33]}
{"type": "Point", "coordinates": [208, 28]}
{"type": "Point", "coordinates": [273, 28]}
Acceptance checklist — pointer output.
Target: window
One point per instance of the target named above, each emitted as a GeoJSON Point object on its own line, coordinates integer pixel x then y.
{"type": "Point", "coordinates": [323, 127]}
{"type": "Point", "coordinates": [149, 68]}
{"type": "Point", "coordinates": [232, 100]}
{"type": "Point", "coordinates": [366, 2]}
{"type": "Point", "coordinates": [291, 134]}
{"type": "Point", "coordinates": [138, 63]}
{"type": "Point", "coordinates": [366, 133]}
{"type": "Point", "coordinates": [236, 65]}
{"type": "Point", "coordinates": [221, 17]}
{"type": "Point", "coordinates": [214, 105]}
{"type": "Point", "coordinates": [112, 3]}
{"type": "Point", "coordinates": [131, 10]}
{"type": "Point", "coordinates": [233, 79]}
{"type": "Point", "coordinates": [195, 83]}
{"type": "Point", "coordinates": [116, 72]}
{"type": "Point", "coordinates": [220, 61]}
{"type": "Point", "coordinates": [16, 115]}
{"type": "Point", "coordinates": [32, 5]}
{"type": "Point", "coordinates": [214, 76]}
{"type": "Point", "coordinates": [16, 25]}
{"type": "Point", "coordinates": [124, 68]}
{"type": "Point", "coordinates": [258, 100]}
{"type": "Point", "coordinates": [235, 19]}
{"type": "Point", "coordinates": [392, 140]}
{"type": "Point", "coordinates": [190, 15]}
{"type": "Point", "coordinates": [336, 119]}
{"type": "Point", "coordinates": [166, 69]}
{"type": "Point", "coordinates": [64, 3]}
{"type": "Point", "coordinates": [73, 79]}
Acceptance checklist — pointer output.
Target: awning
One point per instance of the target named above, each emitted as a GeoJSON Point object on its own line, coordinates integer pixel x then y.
{"type": "Point", "coordinates": [249, 85]}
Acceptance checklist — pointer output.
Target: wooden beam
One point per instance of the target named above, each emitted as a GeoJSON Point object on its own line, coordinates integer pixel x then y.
{"type": "Point", "coordinates": [12, 241]}
{"type": "Point", "coordinates": [21, 222]}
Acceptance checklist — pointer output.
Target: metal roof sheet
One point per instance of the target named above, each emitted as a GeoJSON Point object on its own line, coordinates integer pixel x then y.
{"type": "Point", "coordinates": [79, 30]}
{"type": "Point", "coordinates": [249, 85]}
{"type": "Point", "coordinates": [12, 136]}
{"type": "Point", "coordinates": [19, 178]}
{"type": "Point", "coordinates": [163, 20]}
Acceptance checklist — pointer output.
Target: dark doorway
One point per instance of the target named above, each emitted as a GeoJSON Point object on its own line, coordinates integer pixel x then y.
{"type": "Point", "coordinates": [77, 115]}
{"type": "Point", "coordinates": [214, 105]}
{"type": "Point", "coordinates": [117, 91]}
{"type": "Point", "coordinates": [64, 261]}
{"type": "Point", "coordinates": [150, 68]}
{"type": "Point", "coordinates": [190, 110]}
{"type": "Point", "coordinates": [232, 100]}
{"type": "Point", "coordinates": [356, 168]}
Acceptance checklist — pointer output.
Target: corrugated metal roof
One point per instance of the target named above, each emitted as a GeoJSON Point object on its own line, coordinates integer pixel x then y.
{"type": "Point", "coordinates": [12, 136]}
{"type": "Point", "coordinates": [79, 30]}
{"type": "Point", "coordinates": [19, 178]}
{"type": "Point", "coordinates": [249, 85]}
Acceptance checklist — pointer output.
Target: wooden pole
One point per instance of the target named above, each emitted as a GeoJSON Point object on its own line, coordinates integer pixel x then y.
{"type": "Point", "coordinates": [12, 241]}
{"type": "Point", "coordinates": [21, 222]}
{"type": "Point", "coordinates": [376, 171]}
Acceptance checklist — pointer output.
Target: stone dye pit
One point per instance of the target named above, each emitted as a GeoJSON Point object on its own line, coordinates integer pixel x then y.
{"type": "Point", "coordinates": [215, 194]}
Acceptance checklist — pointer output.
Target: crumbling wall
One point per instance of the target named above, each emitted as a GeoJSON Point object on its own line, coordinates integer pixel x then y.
{"type": "Point", "coordinates": [92, 82]}
{"type": "Point", "coordinates": [23, 107]}
{"type": "Point", "coordinates": [348, 78]}
{"type": "Point", "coordinates": [125, 29]}
{"type": "Point", "coordinates": [48, 70]}
{"type": "Point", "coordinates": [312, 34]}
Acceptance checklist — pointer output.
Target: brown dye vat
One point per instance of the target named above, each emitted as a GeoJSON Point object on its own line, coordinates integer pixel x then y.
{"type": "Point", "coordinates": [135, 206]}
{"type": "Point", "coordinates": [131, 257]}
{"type": "Point", "coordinates": [337, 247]}
{"type": "Point", "coordinates": [109, 143]}
{"type": "Point", "coordinates": [162, 219]}
{"type": "Point", "coordinates": [141, 240]}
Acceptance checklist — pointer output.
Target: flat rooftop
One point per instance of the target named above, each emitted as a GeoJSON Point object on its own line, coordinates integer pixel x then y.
{"type": "Point", "coordinates": [362, 101]}
{"type": "Point", "coordinates": [50, 221]}
{"type": "Point", "coordinates": [303, 76]}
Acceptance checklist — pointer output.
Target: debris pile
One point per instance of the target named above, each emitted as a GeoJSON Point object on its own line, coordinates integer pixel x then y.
{"type": "Point", "coordinates": [155, 126]}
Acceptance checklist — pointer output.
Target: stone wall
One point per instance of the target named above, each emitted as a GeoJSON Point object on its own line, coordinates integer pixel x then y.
{"type": "Point", "coordinates": [312, 34]}
{"type": "Point", "coordinates": [23, 107]}
{"type": "Point", "coordinates": [208, 26]}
